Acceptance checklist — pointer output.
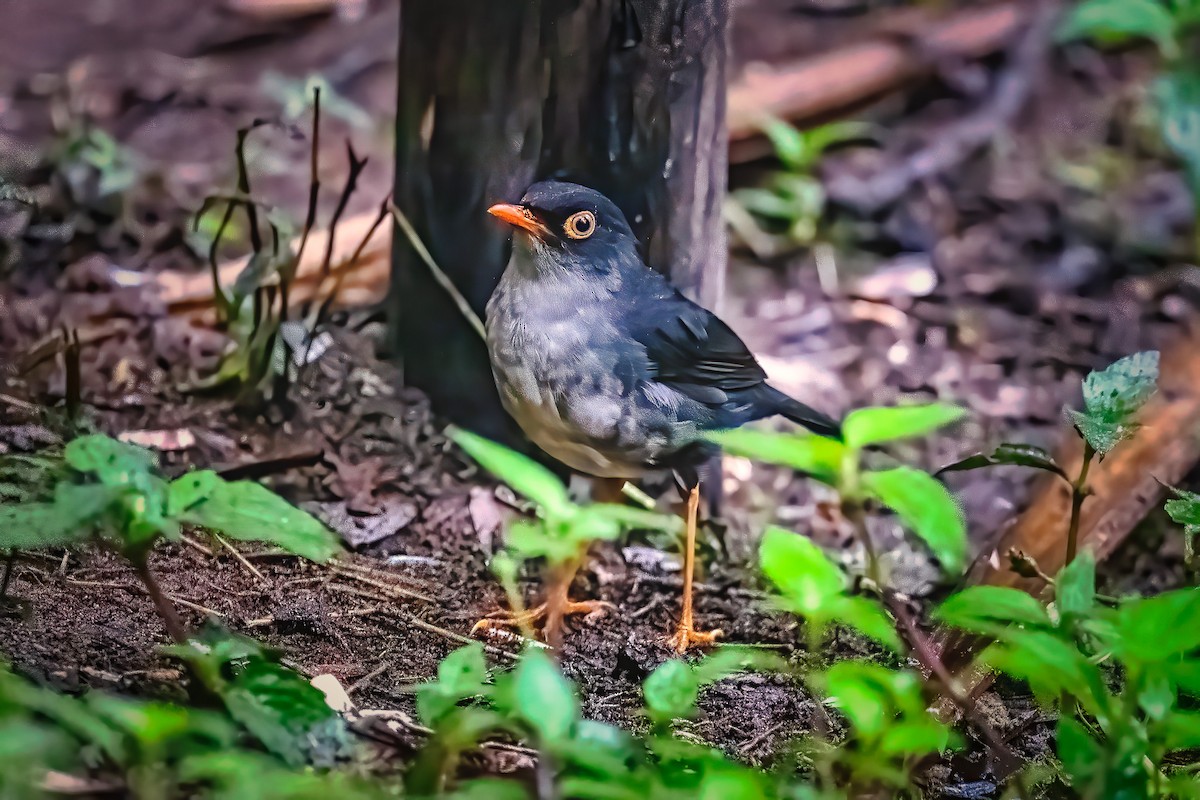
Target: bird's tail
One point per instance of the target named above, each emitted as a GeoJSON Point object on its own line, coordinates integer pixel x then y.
{"type": "Point", "coordinates": [809, 417]}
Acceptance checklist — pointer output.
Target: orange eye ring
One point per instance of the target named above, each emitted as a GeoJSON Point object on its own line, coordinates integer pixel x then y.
{"type": "Point", "coordinates": [580, 225]}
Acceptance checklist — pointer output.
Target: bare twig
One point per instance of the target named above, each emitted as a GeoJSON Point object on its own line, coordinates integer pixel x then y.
{"type": "Point", "coordinates": [253, 570]}
{"type": "Point", "coordinates": [438, 274]}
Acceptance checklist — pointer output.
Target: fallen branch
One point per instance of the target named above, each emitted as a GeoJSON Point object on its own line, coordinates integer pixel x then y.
{"type": "Point", "coordinates": [834, 82]}
{"type": "Point", "coordinates": [364, 280]}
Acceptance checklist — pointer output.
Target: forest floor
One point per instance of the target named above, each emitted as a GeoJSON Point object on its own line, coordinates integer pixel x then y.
{"type": "Point", "coordinates": [996, 286]}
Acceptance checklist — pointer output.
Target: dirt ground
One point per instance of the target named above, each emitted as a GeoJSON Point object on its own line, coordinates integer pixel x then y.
{"type": "Point", "coordinates": [997, 287]}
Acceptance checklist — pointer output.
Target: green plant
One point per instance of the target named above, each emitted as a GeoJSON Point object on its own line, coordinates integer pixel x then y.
{"type": "Point", "coordinates": [110, 491]}
{"type": "Point", "coordinates": [1111, 400]}
{"type": "Point", "coordinates": [561, 531]}
{"type": "Point", "coordinates": [277, 706]}
{"type": "Point", "coordinates": [157, 750]}
{"type": "Point", "coordinates": [1122, 676]}
{"type": "Point", "coordinates": [1174, 27]}
{"type": "Point", "coordinates": [266, 347]}
{"type": "Point", "coordinates": [922, 504]}
{"type": "Point", "coordinates": [891, 728]}
{"type": "Point", "coordinates": [578, 758]}
{"type": "Point", "coordinates": [815, 588]}
{"type": "Point", "coordinates": [785, 211]}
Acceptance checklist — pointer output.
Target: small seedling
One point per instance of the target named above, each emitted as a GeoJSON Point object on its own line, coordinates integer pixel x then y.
{"type": "Point", "coordinates": [111, 492]}
{"type": "Point", "coordinates": [1173, 26]}
{"type": "Point", "coordinates": [784, 213]}
{"type": "Point", "coordinates": [276, 705]}
{"type": "Point", "coordinates": [1111, 400]}
{"type": "Point", "coordinates": [815, 588]}
{"type": "Point", "coordinates": [891, 728]}
{"type": "Point", "coordinates": [922, 504]}
{"type": "Point", "coordinates": [561, 533]}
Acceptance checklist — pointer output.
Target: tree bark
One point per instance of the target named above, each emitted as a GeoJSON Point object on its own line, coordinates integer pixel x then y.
{"type": "Point", "coordinates": [626, 96]}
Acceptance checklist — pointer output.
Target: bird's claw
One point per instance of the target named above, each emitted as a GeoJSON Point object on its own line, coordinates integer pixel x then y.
{"type": "Point", "coordinates": [686, 636]}
{"type": "Point", "coordinates": [593, 609]}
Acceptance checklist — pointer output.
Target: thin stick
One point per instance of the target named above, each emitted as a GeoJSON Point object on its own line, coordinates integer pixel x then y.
{"type": "Point", "coordinates": [420, 623]}
{"type": "Point", "coordinates": [441, 277]}
{"type": "Point", "coordinates": [354, 575]}
{"type": "Point", "coordinates": [927, 655]}
{"type": "Point", "coordinates": [241, 559]}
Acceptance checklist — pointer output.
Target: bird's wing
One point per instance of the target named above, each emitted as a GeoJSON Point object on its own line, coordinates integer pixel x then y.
{"type": "Point", "coordinates": [693, 351]}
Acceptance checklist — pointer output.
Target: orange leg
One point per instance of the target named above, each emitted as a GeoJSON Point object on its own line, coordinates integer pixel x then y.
{"type": "Point", "coordinates": [558, 606]}
{"type": "Point", "coordinates": [686, 635]}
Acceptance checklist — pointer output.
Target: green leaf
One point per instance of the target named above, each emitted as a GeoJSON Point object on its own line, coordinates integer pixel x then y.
{"type": "Point", "coordinates": [1178, 98]}
{"type": "Point", "coordinates": [247, 511]}
{"type": "Point", "coordinates": [461, 675]}
{"type": "Point", "coordinates": [1182, 730]}
{"type": "Point", "coordinates": [531, 539]}
{"type": "Point", "coordinates": [927, 508]}
{"type": "Point", "coordinates": [1159, 628]}
{"type": "Point", "coordinates": [67, 520]}
{"type": "Point", "coordinates": [789, 143]}
{"type": "Point", "coordinates": [671, 691]}
{"type": "Point", "coordinates": [1185, 509]}
{"type": "Point", "coordinates": [1102, 436]}
{"type": "Point", "coordinates": [1155, 693]}
{"type": "Point", "coordinates": [801, 571]}
{"type": "Point", "coordinates": [1112, 396]}
{"type": "Point", "coordinates": [868, 426]}
{"type": "Point", "coordinates": [981, 608]}
{"type": "Point", "coordinates": [867, 617]}
{"type": "Point", "coordinates": [730, 660]}
{"type": "Point", "coordinates": [816, 456]}
{"type": "Point", "coordinates": [114, 463]}
{"type": "Point", "coordinates": [1080, 754]}
{"type": "Point", "coordinates": [813, 586]}
{"type": "Point", "coordinates": [284, 712]}
{"type": "Point", "coordinates": [544, 698]}
{"type": "Point", "coordinates": [527, 477]}
{"type": "Point", "coordinates": [1113, 22]}
{"type": "Point", "coordinates": [1020, 455]}
{"type": "Point", "coordinates": [1075, 587]}
{"type": "Point", "coordinates": [871, 696]}
{"type": "Point", "coordinates": [918, 738]}
{"type": "Point", "coordinates": [1049, 665]}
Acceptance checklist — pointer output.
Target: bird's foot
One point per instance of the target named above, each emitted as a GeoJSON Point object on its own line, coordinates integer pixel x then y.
{"type": "Point", "coordinates": [593, 609]}
{"type": "Point", "coordinates": [686, 636]}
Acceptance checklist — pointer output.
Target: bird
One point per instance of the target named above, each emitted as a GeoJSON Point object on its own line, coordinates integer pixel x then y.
{"type": "Point", "coordinates": [609, 368]}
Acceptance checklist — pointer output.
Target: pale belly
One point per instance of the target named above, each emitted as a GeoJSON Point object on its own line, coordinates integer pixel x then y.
{"type": "Point", "coordinates": [563, 440]}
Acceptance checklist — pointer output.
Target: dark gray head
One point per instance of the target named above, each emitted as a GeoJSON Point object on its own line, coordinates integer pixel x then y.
{"type": "Point", "coordinates": [570, 226]}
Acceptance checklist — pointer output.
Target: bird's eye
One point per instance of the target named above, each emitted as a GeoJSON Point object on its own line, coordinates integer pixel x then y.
{"type": "Point", "coordinates": [580, 225]}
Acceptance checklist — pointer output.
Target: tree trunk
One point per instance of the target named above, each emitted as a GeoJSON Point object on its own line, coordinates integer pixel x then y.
{"type": "Point", "coordinates": [626, 96]}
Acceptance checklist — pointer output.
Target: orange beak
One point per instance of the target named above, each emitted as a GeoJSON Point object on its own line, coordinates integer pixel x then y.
{"type": "Point", "coordinates": [520, 217]}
